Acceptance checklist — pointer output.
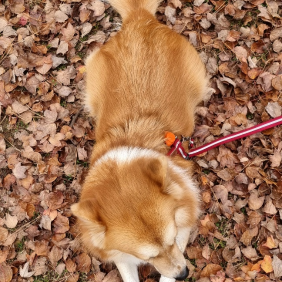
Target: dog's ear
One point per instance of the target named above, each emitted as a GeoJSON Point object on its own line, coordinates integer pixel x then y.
{"type": "Point", "coordinates": [85, 210]}
{"type": "Point", "coordinates": [156, 169]}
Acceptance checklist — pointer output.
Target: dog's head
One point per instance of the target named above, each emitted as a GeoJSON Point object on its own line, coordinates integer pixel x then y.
{"type": "Point", "coordinates": [136, 207]}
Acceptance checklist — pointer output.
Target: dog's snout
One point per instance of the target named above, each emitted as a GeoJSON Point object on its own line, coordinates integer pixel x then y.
{"type": "Point", "coordinates": [183, 274]}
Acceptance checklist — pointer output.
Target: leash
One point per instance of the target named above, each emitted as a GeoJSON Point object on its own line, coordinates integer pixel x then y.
{"type": "Point", "coordinates": [176, 144]}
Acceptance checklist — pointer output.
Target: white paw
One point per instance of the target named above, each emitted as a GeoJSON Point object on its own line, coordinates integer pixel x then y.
{"type": "Point", "coordinates": [165, 279]}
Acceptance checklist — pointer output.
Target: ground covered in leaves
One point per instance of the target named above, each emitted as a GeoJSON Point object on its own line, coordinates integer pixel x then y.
{"type": "Point", "coordinates": [46, 137]}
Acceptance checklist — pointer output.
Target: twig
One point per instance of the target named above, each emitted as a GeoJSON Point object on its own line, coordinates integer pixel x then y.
{"type": "Point", "coordinates": [75, 117]}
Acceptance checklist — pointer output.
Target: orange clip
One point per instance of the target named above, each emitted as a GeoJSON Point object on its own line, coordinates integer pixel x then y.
{"type": "Point", "coordinates": [169, 138]}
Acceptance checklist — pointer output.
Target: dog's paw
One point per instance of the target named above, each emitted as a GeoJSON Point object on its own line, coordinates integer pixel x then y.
{"type": "Point", "coordinates": [165, 279]}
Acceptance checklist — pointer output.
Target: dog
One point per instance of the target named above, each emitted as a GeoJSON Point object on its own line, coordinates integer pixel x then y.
{"type": "Point", "coordinates": [137, 204]}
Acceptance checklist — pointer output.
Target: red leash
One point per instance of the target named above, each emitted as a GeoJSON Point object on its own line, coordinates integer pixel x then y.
{"type": "Point", "coordinates": [177, 144]}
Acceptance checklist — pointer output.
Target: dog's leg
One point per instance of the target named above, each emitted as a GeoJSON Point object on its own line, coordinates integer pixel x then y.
{"type": "Point", "coordinates": [165, 279]}
{"type": "Point", "coordinates": [128, 271]}
{"type": "Point", "coordinates": [181, 241]}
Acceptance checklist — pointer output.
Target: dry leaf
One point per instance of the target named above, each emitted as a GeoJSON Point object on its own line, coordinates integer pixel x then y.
{"type": "Point", "coordinates": [61, 224]}
{"type": "Point", "coordinates": [255, 202]}
{"type": "Point", "coordinates": [274, 109]}
{"type": "Point", "coordinates": [250, 253]}
{"type": "Point", "coordinates": [277, 266]}
{"type": "Point", "coordinates": [97, 7]}
{"type": "Point", "coordinates": [83, 262]}
{"type": "Point", "coordinates": [24, 271]}
{"type": "Point", "coordinates": [210, 269]}
{"type": "Point", "coordinates": [40, 266]}
{"type": "Point", "coordinates": [19, 171]}
{"type": "Point", "coordinates": [55, 255]}
{"type": "Point", "coordinates": [6, 273]}
{"type": "Point", "coordinates": [266, 264]}
{"type": "Point", "coordinates": [11, 221]}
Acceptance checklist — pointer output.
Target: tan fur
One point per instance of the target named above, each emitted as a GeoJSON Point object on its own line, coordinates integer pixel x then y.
{"type": "Point", "coordinates": [143, 82]}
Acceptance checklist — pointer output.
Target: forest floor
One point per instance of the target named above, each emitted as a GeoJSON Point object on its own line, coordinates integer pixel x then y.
{"type": "Point", "coordinates": [46, 137]}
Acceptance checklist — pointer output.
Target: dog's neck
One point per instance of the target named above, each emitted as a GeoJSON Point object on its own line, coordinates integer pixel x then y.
{"type": "Point", "coordinates": [146, 132]}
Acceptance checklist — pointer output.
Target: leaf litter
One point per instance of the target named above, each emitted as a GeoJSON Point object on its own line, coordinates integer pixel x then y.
{"type": "Point", "coordinates": [46, 139]}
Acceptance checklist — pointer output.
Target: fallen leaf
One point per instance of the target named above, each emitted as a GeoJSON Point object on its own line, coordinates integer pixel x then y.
{"type": "Point", "coordinates": [270, 243]}
{"type": "Point", "coordinates": [97, 7]}
{"type": "Point", "coordinates": [83, 262]}
{"type": "Point", "coordinates": [266, 264]}
{"type": "Point", "coordinates": [61, 224]}
{"type": "Point", "coordinates": [6, 273]}
{"type": "Point", "coordinates": [24, 271]}
{"type": "Point", "coordinates": [19, 171]}
{"type": "Point", "coordinates": [274, 109]}
{"type": "Point", "coordinates": [250, 253]}
{"type": "Point", "coordinates": [277, 83]}
{"type": "Point", "coordinates": [255, 202]}
{"type": "Point", "coordinates": [55, 255]}
{"type": "Point", "coordinates": [210, 269]}
{"type": "Point", "coordinates": [40, 266]}
{"type": "Point", "coordinates": [11, 221]}
{"type": "Point", "coordinates": [277, 266]}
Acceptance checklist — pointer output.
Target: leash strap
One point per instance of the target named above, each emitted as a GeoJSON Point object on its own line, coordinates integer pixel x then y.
{"type": "Point", "coordinates": [237, 135]}
{"type": "Point", "coordinates": [176, 144]}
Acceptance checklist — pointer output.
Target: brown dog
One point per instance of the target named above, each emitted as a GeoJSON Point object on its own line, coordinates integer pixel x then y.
{"type": "Point", "coordinates": [137, 205]}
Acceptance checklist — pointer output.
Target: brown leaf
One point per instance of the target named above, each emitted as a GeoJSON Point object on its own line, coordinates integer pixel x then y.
{"type": "Point", "coordinates": [42, 248]}
{"type": "Point", "coordinates": [210, 269]}
{"type": "Point", "coordinates": [6, 273]}
{"type": "Point", "coordinates": [266, 264]}
{"type": "Point", "coordinates": [112, 276]}
{"type": "Point", "coordinates": [226, 157]}
{"type": "Point", "coordinates": [241, 53]}
{"type": "Point", "coordinates": [11, 221]}
{"type": "Point", "coordinates": [83, 262]}
{"type": "Point", "coordinates": [219, 277]}
{"type": "Point", "coordinates": [70, 265]}
{"type": "Point", "coordinates": [40, 266]}
{"type": "Point", "coordinates": [226, 174]}
{"type": "Point", "coordinates": [73, 277]}
{"type": "Point", "coordinates": [250, 253]}
{"type": "Point", "coordinates": [255, 202]}
{"type": "Point", "coordinates": [55, 200]}
{"type": "Point", "coordinates": [254, 218]}
{"type": "Point", "coordinates": [269, 207]}
{"type": "Point", "coordinates": [274, 109]}
{"type": "Point", "coordinates": [270, 243]}
{"type": "Point", "coordinates": [60, 17]}
{"type": "Point", "coordinates": [55, 255]}
{"type": "Point", "coordinates": [98, 7]}
{"type": "Point", "coordinates": [18, 108]}
{"type": "Point", "coordinates": [277, 266]}
{"type": "Point", "coordinates": [19, 171]}
{"type": "Point", "coordinates": [61, 224]}
{"type": "Point", "coordinates": [277, 82]}
{"type": "Point", "coordinates": [276, 33]}
{"type": "Point", "coordinates": [68, 32]}
{"type": "Point", "coordinates": [252, 172]}
{"type": "Point", "coordinates": [248, 235]}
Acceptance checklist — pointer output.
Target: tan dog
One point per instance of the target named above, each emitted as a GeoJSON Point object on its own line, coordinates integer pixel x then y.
{"type": "Point", "coordinates": [137, 205]}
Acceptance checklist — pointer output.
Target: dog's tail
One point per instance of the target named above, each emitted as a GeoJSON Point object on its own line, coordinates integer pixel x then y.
{"type": "Point", "coordinates": [125, 7]}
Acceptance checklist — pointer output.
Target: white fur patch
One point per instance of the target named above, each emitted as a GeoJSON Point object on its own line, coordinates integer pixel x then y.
{"type": "Point", "coordinates": [170, 234]}
{"type": "Point", "coordinates": [123, 155]}
{"type": "Point", "coordinates": [97, 239]}
{"type": "Point", "coordinates": [148, 251]}
{"type": "Point", "coordinates": [117, 256]}
{"type": "Point", "coordinates": [181, 217]}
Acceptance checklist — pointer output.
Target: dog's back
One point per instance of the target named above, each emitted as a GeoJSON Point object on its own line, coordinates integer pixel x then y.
{"type": "Point", "coordinates": [138, 205]}
{"type": "Point", "coordinates": [143, 69]}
